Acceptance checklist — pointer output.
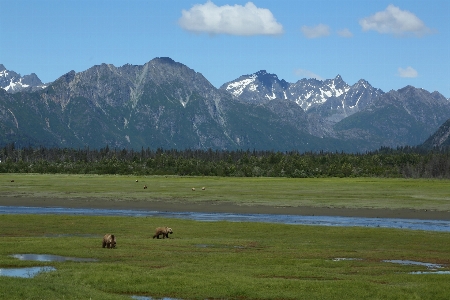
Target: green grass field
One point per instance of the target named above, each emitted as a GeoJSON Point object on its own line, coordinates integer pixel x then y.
{"type": "Point", "coordinates": [219, 260]}
{"type": "Point", "coordinates": [224, 260]}
{"type": "Point", "coordinates": [321, 192]}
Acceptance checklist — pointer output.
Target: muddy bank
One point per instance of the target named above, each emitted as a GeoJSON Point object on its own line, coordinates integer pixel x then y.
{"type": "Point", "coordinates": [223, 207]}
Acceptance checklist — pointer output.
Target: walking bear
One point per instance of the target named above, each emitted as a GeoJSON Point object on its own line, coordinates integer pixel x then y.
{"type": "Point", "coordinates": [164, 231]}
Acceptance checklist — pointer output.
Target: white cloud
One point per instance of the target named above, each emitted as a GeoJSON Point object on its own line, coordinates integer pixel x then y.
{"type": "Point", "coordinates": [409, 72]}
{"type": "Point", "coordinates": [233, 20]}
{"type": "Point", "coordinates": [346, 33]}
{"type": "Point", "coordinates": [395, 21]}
{"type": "Point", "coordinates": [307, 74]}
{"type": "Point", "coordinates": [316, 31]}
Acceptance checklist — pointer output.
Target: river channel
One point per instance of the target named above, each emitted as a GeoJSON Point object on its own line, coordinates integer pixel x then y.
{"type": "Point", "coordinates": [413, 224]}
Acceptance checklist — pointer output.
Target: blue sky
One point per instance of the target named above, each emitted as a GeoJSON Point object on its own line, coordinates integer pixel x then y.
{"type": "Point", "coordinates": [391, 44]}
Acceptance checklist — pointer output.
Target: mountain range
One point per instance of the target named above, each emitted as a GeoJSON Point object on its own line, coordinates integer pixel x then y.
{"type": "Point", "coordinates": [165, 104]}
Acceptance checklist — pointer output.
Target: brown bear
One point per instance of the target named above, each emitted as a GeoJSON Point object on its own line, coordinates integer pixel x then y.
{"type": "Point", "coordinates": [164, 231]}
{"type": "Point", "coordinates": [109, 241]}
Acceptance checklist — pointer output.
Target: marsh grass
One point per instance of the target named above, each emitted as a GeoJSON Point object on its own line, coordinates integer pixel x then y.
{"type": "Point", "coordinates": [223, 260]}
{"type": "Point", "coordinates": [219, 260]}
{"type": "Point", "coordinates": [322, 192]}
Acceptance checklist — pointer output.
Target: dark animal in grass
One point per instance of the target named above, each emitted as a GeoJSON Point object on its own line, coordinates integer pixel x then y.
{"type": "Point", "coordinates": [109, 241]}
{"type": "Point", "coordinates": [164, 231]}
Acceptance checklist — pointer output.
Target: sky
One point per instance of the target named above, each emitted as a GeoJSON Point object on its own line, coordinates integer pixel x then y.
{"type": "Point", "coordinates": [391, 44]}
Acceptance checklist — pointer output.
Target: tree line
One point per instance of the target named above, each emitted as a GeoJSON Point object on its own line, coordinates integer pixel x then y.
{"type": "Point", "coordinates": [402, 162]}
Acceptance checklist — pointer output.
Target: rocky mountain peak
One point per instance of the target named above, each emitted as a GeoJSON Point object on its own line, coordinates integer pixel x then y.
{"type": "Point", "coordinates": [164, 103]}
{"type": "Point", "coordinates": [261, 73]}
{"type": "Point", "coordinates": [338, 78]}
{"type": "Point", "coordinates": [269, 80]}
{"type": "Point", "coordinates": [258, 87]}
{"type": "Point", "coordinates": [164, 60]}
{"type": "Point", "coordinates": [363, 83]}
{"type": "Point", "coordinates": [336, 83]}
{"type": "Point", "coordinates": [13, 82]}
{"type": "Point", "coordinates": [31, 80]}
{"type": "Point", "coordinates": [439, 97]}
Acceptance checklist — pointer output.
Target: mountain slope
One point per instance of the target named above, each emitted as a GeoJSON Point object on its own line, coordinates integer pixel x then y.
{"type": "Point", "coordinates": [165, 104]}
{"type": "Point", "coordinates": [398, 118]}
{"type": "Point", "coordinates": [440, 139]}
{"type": "Point", "coordinates": [331, 99]}
{"type": "Point", "coordinates": [160, 104]}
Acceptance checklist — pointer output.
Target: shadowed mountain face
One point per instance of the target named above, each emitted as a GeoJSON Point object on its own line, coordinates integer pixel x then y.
{"type": "Point", "coordinates": [165, 104]}
{"type": "Point", "coordinates": [398, 118]}
{"type": "Point", "coordinates": [440, 139]}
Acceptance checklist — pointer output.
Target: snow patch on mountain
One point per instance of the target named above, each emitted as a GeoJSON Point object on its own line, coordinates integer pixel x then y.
{"type": "Point", "coordinates": [13, 82]}
{"type": "Point", "coordinates": [332, 98]}
{"type": "Point", "coordinates": [237, 87]}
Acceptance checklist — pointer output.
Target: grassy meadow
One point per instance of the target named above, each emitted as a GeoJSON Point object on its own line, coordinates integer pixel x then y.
{"type": "Point", "coordinates": [223, 260]}
{"type": "Point", "coordinates": [320, 192]}
{"type": "Point", "coordinates": [219, 260]}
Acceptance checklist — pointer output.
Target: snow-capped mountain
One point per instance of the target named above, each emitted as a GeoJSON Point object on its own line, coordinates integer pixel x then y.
{"type": "Point", "coordinates": [258, 87]}
{"type": "Point", "coordinates": [311, 93]}
{"type": "Point", "coordinates": [333, 98]}
{"type": "Point", "coordinates": [165, 104]}
{"type": "Point", "coordinates": [13, 82]}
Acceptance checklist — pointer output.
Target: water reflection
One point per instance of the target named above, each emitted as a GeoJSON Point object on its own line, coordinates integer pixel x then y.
{"type": "Point", "coordinates": [25, 272]}
{"type": "Point", "coordinates": [431, 272]}
{"type": "Point", "coordinates": [428, 225]}
{"type": "Point", "coordinates": [432, 268]}
{"type": "Point", "coordinates": [429, 266]}
{"type": "Point", "coordinates": [49, 257]}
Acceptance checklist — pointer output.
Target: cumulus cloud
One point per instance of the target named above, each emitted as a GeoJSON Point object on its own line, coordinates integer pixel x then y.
{"type": "Point", "coordinates": [409, 72]}
{"type": "Point", "coordinates": [244, 20]}
{"type": "Point", "coordinates": [395, 21]}
{"type": "Point", "coordinates": [307, 74]}
{"type": "Point", "coordinates": [346, 33]}
{"type": "Point", "coordinates": [316, 31]}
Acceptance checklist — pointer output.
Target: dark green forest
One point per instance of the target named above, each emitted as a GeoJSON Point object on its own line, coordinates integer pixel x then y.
{"type": "Point", "coordinates": [402, 162]}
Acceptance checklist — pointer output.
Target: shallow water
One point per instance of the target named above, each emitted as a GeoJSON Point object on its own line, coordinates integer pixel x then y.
{"type": "Point", "coordinates": [429, 266]}
{"type": "Point", "coordinates": [25, 272]}
{"type": "Point", "coordinates": [414, 224]}
{"type": "Point", "coordinates": [432, 268]}
{"type": "Point", "coordinates": [431, 272]}
{"type": "Point", "coordinates": [49, 257]}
